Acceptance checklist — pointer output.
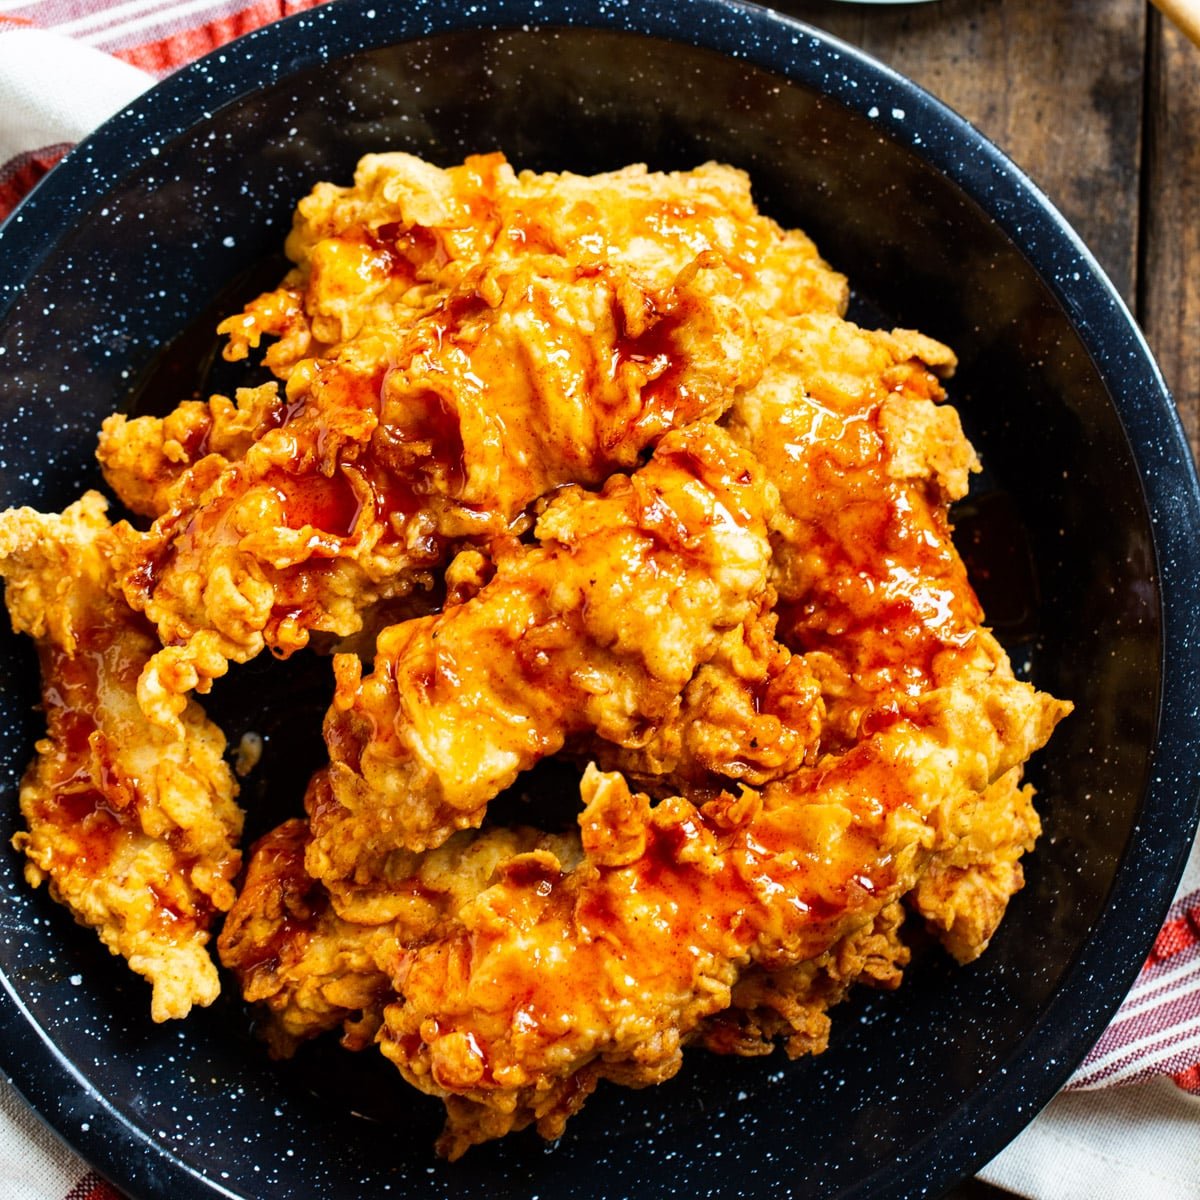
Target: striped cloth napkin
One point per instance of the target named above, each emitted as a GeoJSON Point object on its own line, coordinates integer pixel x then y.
{"type": "Point", "coordinates": [1126, 1127]}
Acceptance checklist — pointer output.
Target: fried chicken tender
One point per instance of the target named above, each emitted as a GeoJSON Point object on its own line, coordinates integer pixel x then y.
{"type": "Point", "coordinates": [793, 1002]}
{"type": "Point", "coordinates": [314, 971]}
{"type": "Point", "coordinates": [554, 978]}
{"type": "Point", "coordinates": [849, 425]}
{"type": "Point", "coordinates": [382, 253]}
{"type": "Point", "coordinates": [443, 408]}
{"type": "Point", "coordinates": [964, 893]}
{"type": "Point", "coordinates": [136, 830]}
{"type": "Point", "coordinates": [754, 712]}
{"type": "Point", "coordinates": [598, 627]}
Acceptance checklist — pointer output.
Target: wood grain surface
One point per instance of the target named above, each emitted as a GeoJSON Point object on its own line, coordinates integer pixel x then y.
{"type": "Point", "coordinates": [1099, 102]}
{"type": "Point", "coordinates": [1169, 300]}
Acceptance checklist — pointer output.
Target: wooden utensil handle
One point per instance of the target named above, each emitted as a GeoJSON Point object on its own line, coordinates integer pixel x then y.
{"type": "Point", "coordinates": [1185, 14]}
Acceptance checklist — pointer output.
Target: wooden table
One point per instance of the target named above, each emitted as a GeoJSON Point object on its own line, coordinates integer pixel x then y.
{"type": "Point", "coordinates": [1098, 101]}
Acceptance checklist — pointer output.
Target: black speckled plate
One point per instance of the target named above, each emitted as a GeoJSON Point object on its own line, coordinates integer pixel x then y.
{"type": "Point", "coordinates": [1090, 505]}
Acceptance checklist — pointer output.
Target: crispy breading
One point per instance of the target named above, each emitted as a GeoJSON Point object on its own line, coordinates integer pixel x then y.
{"type": "Point", "coordinates": [792, 1003]}
{"type": "Point", "coordinates": [143, 458]}
{"type": "Point", "coordinates": [851, 427]}
{"type": "Point", "coordinates": [135, 829]}
{"type": "Point", "coordinates": [557, 977]}
{"type": "Point", "coordinates": [585, 466]}
{"type": "Point", "coordinates": [598, 627]}
{"type": "Point", "coordinates": [531, 373]}
{"type": "Point", "coordinates": [383, 252]}
{"type": "Point", "coordinates": [314, 971]}
{"type": "Point", "coordinates": [966, 889]}
{"type": "Point", "coordinates": [847, 424]}
{"type": "Point", "coordinates": [752, 713]}
{"type": "Point", "coordinates": [291, 953]}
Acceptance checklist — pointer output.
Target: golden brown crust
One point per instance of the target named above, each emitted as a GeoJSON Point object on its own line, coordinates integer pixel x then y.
{"type": "Point", "coordinates": [792, 1003]}
{"type": "Point", "coordinates": [597, 627]}
{"type": "Point", "coordinates": [491, 460]}
{"type": "Point", "coordinates": [610, 967]}
{"type": "Point", "coordinates": [752, 713]}
{"type": "Point", "coordinates": [527, 373]}
{"type": "Point", "coordinates": [291, 953]}
{"type": "Point", "coordinates": [134, 829]}
{"type": "Point", "coordinates": [144, 458]}
{"type": "Point", "coordinates": [850, 428]}
{"type": "Point", "coordinates": [884, 727]}
{"type": "Point", "coordinates": [964, 893]}
{"type": "Point", "coordinates": [314, 971]}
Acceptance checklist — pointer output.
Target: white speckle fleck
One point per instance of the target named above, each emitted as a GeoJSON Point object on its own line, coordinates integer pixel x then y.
{"type": "Point", "coordinates": [898, 113]}
{"type": "Point", "coordinates": [872, 112]}
{"type": "Point", "coordinates": [227, 240]}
